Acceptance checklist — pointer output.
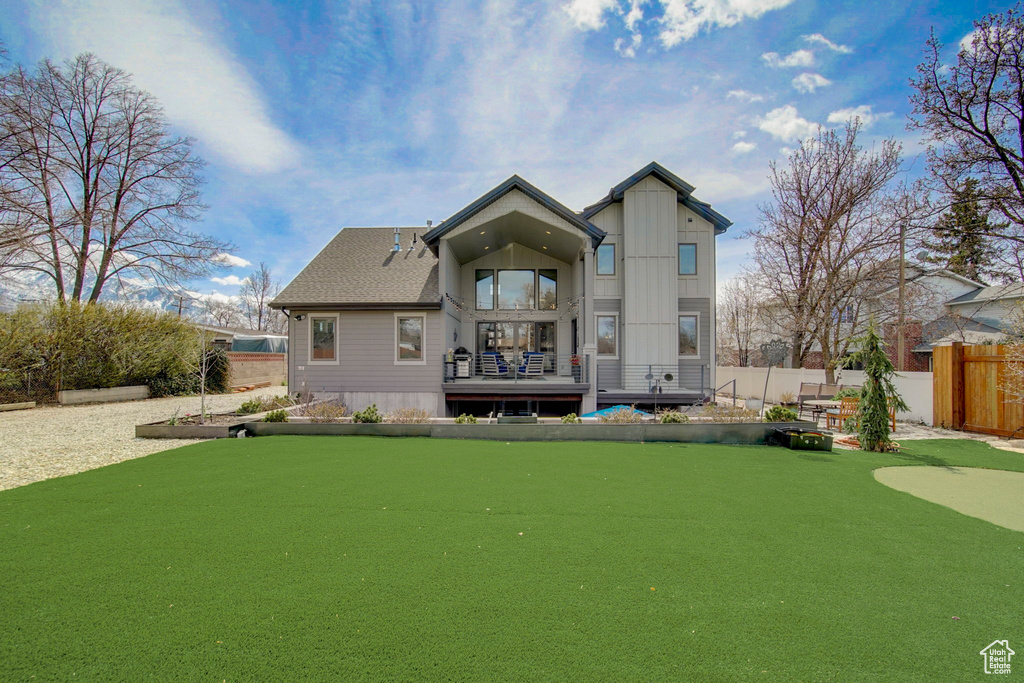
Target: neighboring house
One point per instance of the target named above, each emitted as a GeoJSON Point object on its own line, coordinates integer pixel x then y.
{"type": "Point", "coordinates": [516, 303]}
{"type": "Point", "coordinates": [244, 339]}
{"type": "Point", "coordinates": [995, 306]}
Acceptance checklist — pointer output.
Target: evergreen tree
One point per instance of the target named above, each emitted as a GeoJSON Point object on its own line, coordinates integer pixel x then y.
{"type": "Point", "coordinates": [877, 394]}
{"type": "Point", "coordinates": [962, 237]}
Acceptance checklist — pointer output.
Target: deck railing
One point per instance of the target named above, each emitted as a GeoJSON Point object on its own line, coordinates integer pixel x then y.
{"type": "Point", "coordinates": [517, 367]}
{"type": "Point", "coordinates": [652, 378]}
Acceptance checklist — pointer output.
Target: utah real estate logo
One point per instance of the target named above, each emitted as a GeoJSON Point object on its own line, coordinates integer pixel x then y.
{"type": "Point", "coordinates": [997, 657]}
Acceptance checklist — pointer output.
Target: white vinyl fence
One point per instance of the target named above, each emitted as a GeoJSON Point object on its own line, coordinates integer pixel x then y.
{"type": "Point", "coordinates": [914, 387]}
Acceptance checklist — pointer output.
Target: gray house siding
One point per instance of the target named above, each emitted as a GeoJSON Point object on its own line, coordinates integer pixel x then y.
{"type": "Point", "coordinates": [366, 371]}
{"type": "Point", "coordinates": [609, 370]}
{"type": "Point", "coordinates": [689, 368]}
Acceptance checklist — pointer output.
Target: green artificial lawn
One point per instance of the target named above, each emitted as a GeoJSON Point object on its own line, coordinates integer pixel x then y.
{"type": "Point", "coordinates": [290, 558]}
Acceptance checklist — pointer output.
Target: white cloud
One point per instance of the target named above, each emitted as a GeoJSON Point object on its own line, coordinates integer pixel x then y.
{"type": "Point", "coordinates": [232, 260]}
{"type": "Point", "coordinates": [739, 135]}
{"type": "Point", "coordinates": [202, 87]}
{"type": "Point", "coordinates": [798, 58]}
{"type": "Point", "coordinates": [635, 14]}
{"type": "Point", "coordinates": [744, 96]}
{"type": "Point", "coordinates": [808, 82]}
{"type": "Point", "coordinates": [863, 112]}
{"type": "Point", "coordinates": [818, 39]}
{"type": "Point", "coordinates": [967, 42]}
{"type": "Point", "coordinates": [230, 280]}
{"type": "Point", "coordinates": [786, 124]}
{"type": "Point", "coordinates": [683, 19]}
{"type": "Point", "coordinates": [744, 147]}
{"type": "Point", "coordinates": [628, 50]}
{"type": "Point", "coordinates": [589, 14]}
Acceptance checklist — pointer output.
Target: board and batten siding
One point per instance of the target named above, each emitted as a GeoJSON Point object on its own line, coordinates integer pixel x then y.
{"type": "Point", "coordinates": [610, 220]}
{"type": "Point", "coordinates": [696, 230]}
{"type": "Point", "coordinates": [366, 371]}
{"type": "Point", "coordinates": [650, 272]}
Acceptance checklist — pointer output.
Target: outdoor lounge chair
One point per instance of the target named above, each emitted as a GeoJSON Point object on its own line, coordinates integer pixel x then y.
{"type": "Point", "coordinates": [533, 364]}
{"type": "Point", "coordinates": [808, 392]}
{"type": "Point", "coordinates": [493, 364]}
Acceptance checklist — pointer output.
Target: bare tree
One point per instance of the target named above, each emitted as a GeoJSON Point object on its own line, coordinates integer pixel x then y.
{"type": "Point", "coordinates": [830, 230]}
{"type": "Point", "coordinates": [257, 291]}
{"type": "Point", "coordinates": [972, 114]}
{"type": "Point", "coordinates": [739, 319]}
{"type": "Point", "coordinates": [98, 184]}
{"type": "Point", "coordinates": [221, 312]}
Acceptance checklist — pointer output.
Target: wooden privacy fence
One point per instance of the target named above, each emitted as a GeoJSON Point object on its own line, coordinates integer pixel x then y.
{"type": "Point", "coordinates": [968, 391]}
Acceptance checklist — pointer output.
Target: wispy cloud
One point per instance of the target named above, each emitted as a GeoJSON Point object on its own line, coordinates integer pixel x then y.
{"type": "Point", "coordinates": [864, 112]}
{"type": "Point", "coordinates": [230, 280]}
{"type": "Point", "coordinates": [683, 19]}
{"type": "Point", "coordinates": [589, 14]}
{"type": "Point", "coordinates": [201, 85]}
{"type": "Point", "coordinates": [818, 39]}
{"type": "Point", "coordinates": [793, 59]}
{"type": "Point", "coordinates": [745, 96]}
{"type": "Point", "coordinates": [628, 49]}
{"type": "Point", "coordinates": [232, 260]}
{"type": "Point", "coordinates": [809, 82]}
{"type": "Point", "coordinates": [786, 124]}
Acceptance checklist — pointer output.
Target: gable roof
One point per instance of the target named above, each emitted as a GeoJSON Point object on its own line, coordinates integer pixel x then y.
{"type": "Point", "coordinates": [684, 194]}
{"type": "Point", "coordinates": [1014, 290]}
{"type": "Point", "coordinates": [357, 269]}
{"type": "Point", "coordinates": [513, 183]}
{"type": "Point", "coordinates": [921, 273]}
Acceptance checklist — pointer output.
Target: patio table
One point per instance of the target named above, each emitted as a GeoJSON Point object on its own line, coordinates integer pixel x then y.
{"type": "Point", "coordinates": [821, 406]}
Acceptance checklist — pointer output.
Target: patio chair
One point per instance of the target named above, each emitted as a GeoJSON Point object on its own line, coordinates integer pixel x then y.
{"type": "Point", "coordinates": [493, 365]}
{"type": "Point", "coordinates": [533, 364]}
{"type": "Point", "coordinates": [808, 392]}
{"type": "Point", "coordinates": [836, 418]}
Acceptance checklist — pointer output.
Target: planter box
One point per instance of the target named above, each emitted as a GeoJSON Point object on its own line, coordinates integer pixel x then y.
{"type": "Point", "coordinates": [72, 397]}
{"type": "Point", "coordinates": [162, 430]}
{"type": "Point", "coordinates": [338, 429]}
{"type": "Point", "coordinates": [801, 439]}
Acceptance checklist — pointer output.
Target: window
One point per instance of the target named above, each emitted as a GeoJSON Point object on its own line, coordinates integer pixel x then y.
{"type": "Point", "coordinates": [323, 341]}
{"type": "Point", "coordinates": [607, 335]}
{"type": "Point", "coordinates": [547, 299]}
{"type": "Point", "coordinates": [687, 259]}
{"type": "Point", "coordinates": [606, 259]}
{"type": "Point", "coordinates": [485, 290]}
{"type": "Point", "coordinates": [516, 289]}
{"type": "Point", "coordinates": [409, 347]}
{"type": "Point", "coordinates": [688, 345]}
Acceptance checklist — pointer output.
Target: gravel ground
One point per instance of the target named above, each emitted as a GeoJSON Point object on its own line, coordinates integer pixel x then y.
{"type": "Point", "coordinates": [54, 441]}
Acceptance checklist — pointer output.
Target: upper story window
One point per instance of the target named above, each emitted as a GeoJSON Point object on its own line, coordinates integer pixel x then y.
{"type": "Point", "coordinates": [687, 259]}
{"type": "Point", "coordinates": [324, 339]}
{"type": "Point", "coordinates": [485, 290]}
{"type": "Point", "coordinates": [516, 289]}
{"type": "Point", "coordinates": [606, 259]}
{"type": "Point", "coordinates": [547, 290]}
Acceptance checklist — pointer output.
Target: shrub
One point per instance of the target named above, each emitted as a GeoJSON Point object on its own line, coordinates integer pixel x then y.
{"type": "Point", "coordinates": [673, 417]}
{"type": "Point", "coordinates": [369, 414]}
{"type": "Point", "coordinates": [253, 405]}
{"type": "Point", "coordinates": [261, 403]}
{"type": "Point", "coordinates": [409, 416]}
{"type": "Point", "coordinates": [780, 414]}
{"type": "Point", "coordinates": [276, 416]}
{"type": "Point", "coordinates": [571, 419]}
{"type": "Point", "coordinates": [847, 392]}
{"type": "Point", "coordinates": [324, 411]}
{"type": "Point", "coordinates": [622, 416]}
{"type": "Point", "coordinates": [714, 412]}
{"type": "Point", "coordinates": [465, 420]}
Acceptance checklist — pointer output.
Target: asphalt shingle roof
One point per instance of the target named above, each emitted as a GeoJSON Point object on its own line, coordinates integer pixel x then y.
{"type": "Point", "coordinates": [358, 269]}
{"type": "Point", "coordinates": [1014, 290]}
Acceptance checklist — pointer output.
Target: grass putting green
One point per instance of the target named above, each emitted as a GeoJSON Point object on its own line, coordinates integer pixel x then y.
{"type": "Point", "coordinates": [319, 558]}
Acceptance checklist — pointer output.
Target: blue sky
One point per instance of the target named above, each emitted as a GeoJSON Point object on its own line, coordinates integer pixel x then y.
{"type": "Point", "coordinates": [320, 115]}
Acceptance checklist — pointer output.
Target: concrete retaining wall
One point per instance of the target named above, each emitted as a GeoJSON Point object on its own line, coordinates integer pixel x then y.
{"type": "Point", "coordinates": [750, 433]}
{"type": "Point", "coordinates": [257, 368]}
{"type": "Point", "coordinates": [75, 396]}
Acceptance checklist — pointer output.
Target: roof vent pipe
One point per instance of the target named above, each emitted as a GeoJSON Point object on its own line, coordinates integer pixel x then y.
{"type": "Point", "coordinates": [413, 245]}
{"type": "Point", "coordinates": [398, 247]}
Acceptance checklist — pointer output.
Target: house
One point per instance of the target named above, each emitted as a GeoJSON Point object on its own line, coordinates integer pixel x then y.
{"type": "Point", "coordinates": [516, 303]}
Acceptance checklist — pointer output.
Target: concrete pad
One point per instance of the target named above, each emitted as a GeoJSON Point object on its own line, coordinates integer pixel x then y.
{"type": "Point", "coordinates": [995, 496]}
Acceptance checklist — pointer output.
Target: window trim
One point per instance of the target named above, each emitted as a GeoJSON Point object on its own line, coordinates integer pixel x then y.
{"type": "Point", "coordinates": [606, 356]}
{"type": "Point", "coordinates": [680, 316]}
{"type": "Point", "coordinates": [536, 289]}
{"type": "Point", "coordinates": [615, 254]}
{"type": "Point", "coordinates": [337, 341]}
{"type": "Point", "coordinates": [423, 338]}
{"type": "Point", "coordinates": [497, 288]}
{"type": "Point", "coordinates": [679, 260]}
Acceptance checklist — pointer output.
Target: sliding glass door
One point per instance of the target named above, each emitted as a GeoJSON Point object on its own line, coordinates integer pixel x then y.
{"type": "Point", "coordinates": [513, 339]}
